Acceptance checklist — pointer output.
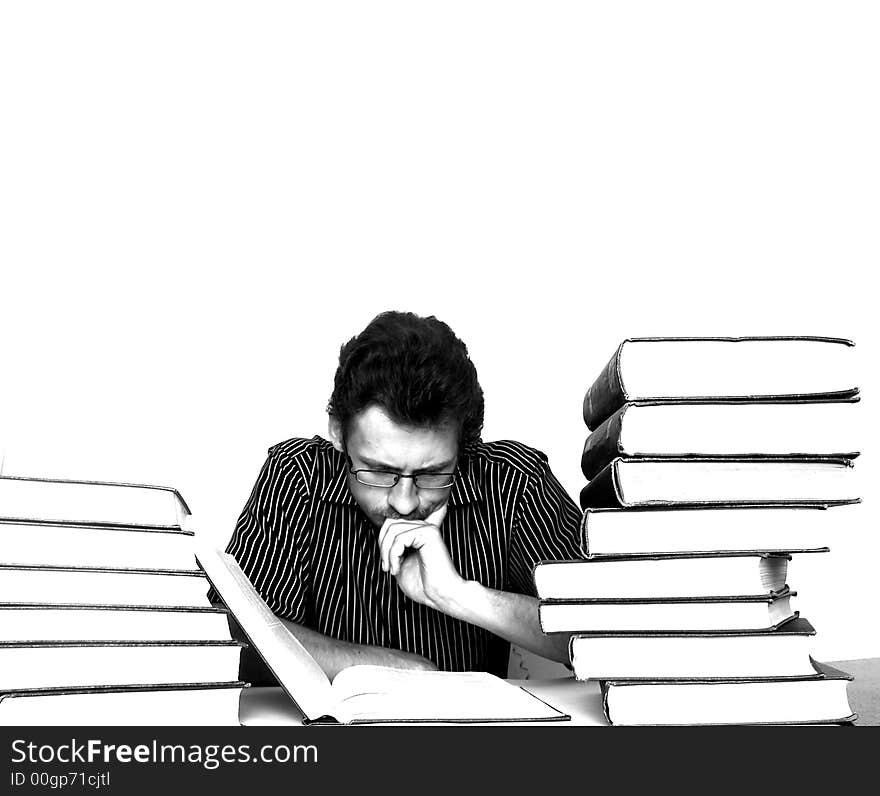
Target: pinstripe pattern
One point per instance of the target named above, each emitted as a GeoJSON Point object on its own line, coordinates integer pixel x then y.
{"type": "Point", "coordinates": [312, 553]}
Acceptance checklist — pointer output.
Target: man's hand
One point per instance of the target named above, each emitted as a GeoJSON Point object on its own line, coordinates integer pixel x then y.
{"type": "Point", "coordinates": [414, 552]}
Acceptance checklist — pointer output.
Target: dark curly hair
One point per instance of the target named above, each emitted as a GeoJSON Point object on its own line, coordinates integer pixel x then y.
{"type": "Point", "coordinates": [416, 369]}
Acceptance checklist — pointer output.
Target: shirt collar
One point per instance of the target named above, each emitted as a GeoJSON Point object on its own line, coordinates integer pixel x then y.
{"type": "Point", "coordinates": [336, 490]}
{"type": "Point", "coordinates": [466, 489]}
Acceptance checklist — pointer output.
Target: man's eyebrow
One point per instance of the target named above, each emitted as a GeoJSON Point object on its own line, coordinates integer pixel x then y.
{"type": "Point", "coordinates": [442, 467]}
{"type": "Point", "coordinates": [373, 463]}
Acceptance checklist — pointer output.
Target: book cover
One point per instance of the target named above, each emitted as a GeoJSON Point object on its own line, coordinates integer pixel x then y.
{"type": "Point", "coordinates": [103, 586]}
{"type": "Point", "coordinates": [59, 543]}
{"type": "Point", "coordinates": [91, 502]}
{"type": "Point", "coordinates": [724, 429]}
{"type": "Point", "coordinates": [671, 530]}
{"type": "Point", "coordinates": [72, 664]}
{"type": "Point", "coordinates": [640, 577]}
{"type": "Point", "coordinates": [75, 621]}
{"type": "Point", "coordinates": [174, 704]}
{"type": "Point", "coordinates": [819, 698]}
{"type": "Point", "coordinates": [611, 390]}
{"type": "Point", "coordinates": [716, 481]}
{"type": "Point", "coordinates": [782, 651]}
{"type": "Point", "coordinates": [748, 613]}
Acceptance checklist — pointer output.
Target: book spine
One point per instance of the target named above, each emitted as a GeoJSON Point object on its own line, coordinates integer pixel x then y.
{"type": "Point", "coordinates": [606, 395]}
{"type": "Point", "coordinates": [603, 445]}
{"type": "Point", "coordinates": [124, 689]}
{"type": "Point", "coordinates": [603, 687]}
{"type": "Point", "coordinates": [601, 492]}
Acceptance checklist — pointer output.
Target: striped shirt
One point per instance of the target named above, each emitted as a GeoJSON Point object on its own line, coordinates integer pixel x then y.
{"type": "Point", "coordinates": [314, 556]}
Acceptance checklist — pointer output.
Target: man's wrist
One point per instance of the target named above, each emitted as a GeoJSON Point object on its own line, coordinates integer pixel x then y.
{"type": "Point", "coordinates": [463, 601]}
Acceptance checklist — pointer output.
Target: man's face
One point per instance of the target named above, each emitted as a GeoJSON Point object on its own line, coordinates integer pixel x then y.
{"type": "Point", "coordinates": [375, 442]}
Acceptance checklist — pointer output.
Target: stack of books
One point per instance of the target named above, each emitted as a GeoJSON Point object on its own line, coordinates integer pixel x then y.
{"type": "Point", "coordinates": [104, 613]}
{"type": "Point", "coordinates": [711, 463]}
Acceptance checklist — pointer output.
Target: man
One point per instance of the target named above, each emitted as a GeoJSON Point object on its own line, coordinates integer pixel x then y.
{"type": "Point", "coordinates": [405, 540]}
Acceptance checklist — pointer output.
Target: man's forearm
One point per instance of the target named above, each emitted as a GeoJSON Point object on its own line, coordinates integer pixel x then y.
{"type": "Point", "coordinates": [513, 617]}
{"type": "Point", "coordinates": [334, 655]}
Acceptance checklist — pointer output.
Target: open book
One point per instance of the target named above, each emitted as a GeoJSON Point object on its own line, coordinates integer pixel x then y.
{"type": "Point", "coordinates": [365, 694]}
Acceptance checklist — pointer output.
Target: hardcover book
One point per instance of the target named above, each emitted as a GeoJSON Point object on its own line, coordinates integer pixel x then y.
{"type": "Point", "coordinates": [53, 622]}
{"type": "Point", "coordinates": [99, 586]}
{"type": "Point", "coordinates": [724, 430]}
{"type": "Point", "coordinates": [698, 529]}
{"type": "Point", "coordinates": [722, 368]}
{"type": "Point", "coordinates": [783, 651]}
{"type": "Point", "coordinates": [645, 578]}
{"type": "Point", "coordinates": [71, 545]}
{"type": "Point", "coordinates": [754, 612]}
{"type": "Point", "coordinates": [91, 503]}
{"type": "Point", "coordinates": [182, 704]}
{"type": "Point", "coordinates": [629, 483]}
{"type": "Point", "coordinates": [764, 700]}
{"type": "Point", "coordinates": [74, 664]}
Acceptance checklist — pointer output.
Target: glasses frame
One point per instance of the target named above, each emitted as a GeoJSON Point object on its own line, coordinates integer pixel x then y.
{"type": "Point", "coordinates": [397, 477]}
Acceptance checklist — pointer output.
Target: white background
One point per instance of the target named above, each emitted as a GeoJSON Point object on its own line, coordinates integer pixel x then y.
{"type": "Point", "coordinates": [201, 201]}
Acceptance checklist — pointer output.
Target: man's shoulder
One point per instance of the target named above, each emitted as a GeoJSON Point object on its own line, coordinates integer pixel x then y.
{"type": "Point", "coordinates": [508, 454]}
{"type": "Point", "coordinates": [301, 464]}
{"type": "Point", "coordinates": [301, 448]}
{"type": "Point", "coordinates": [301, 455]}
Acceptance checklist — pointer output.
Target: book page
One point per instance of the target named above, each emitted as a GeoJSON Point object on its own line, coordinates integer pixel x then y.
{"type": "Point", "coordinates": [379, 693]}
{"type": "Point", "coordinates": [297, 671]}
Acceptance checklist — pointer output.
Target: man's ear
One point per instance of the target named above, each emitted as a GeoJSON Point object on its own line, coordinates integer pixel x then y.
{"type": "Point", "coordinates": [334, 429]}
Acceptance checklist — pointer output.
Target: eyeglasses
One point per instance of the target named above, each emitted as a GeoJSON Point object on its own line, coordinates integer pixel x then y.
{"type": "Point", "coordinates": [385, 479]}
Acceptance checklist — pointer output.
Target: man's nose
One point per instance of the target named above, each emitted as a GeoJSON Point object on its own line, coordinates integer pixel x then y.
{"type": "Point", "coordinates": [404, 497]}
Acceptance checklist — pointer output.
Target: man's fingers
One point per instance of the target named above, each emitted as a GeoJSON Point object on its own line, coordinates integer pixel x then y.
{"type": "Point", "coordinates": [384, 529]}
{"type": "Point", "coordinates": [392, 523]}
{"type": "Point", "coordinates": [414, 538]}
{"type": "Point", "coordinates": [391, 529]}
{"type": "Point", "coordinates": [394, 526]}
{"type": "Point", "coordinates": [435, 518]}
{"type": "Point", "coordinates": [399, 537]}
{"type": "Point", "coordinates": [402, 542]}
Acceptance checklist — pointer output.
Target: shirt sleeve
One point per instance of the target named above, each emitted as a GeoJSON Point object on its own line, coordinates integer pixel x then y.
{"type": "Point", "coordinates": [547, 527]}
{"type": "Point", "coordinates": [270, 542]}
